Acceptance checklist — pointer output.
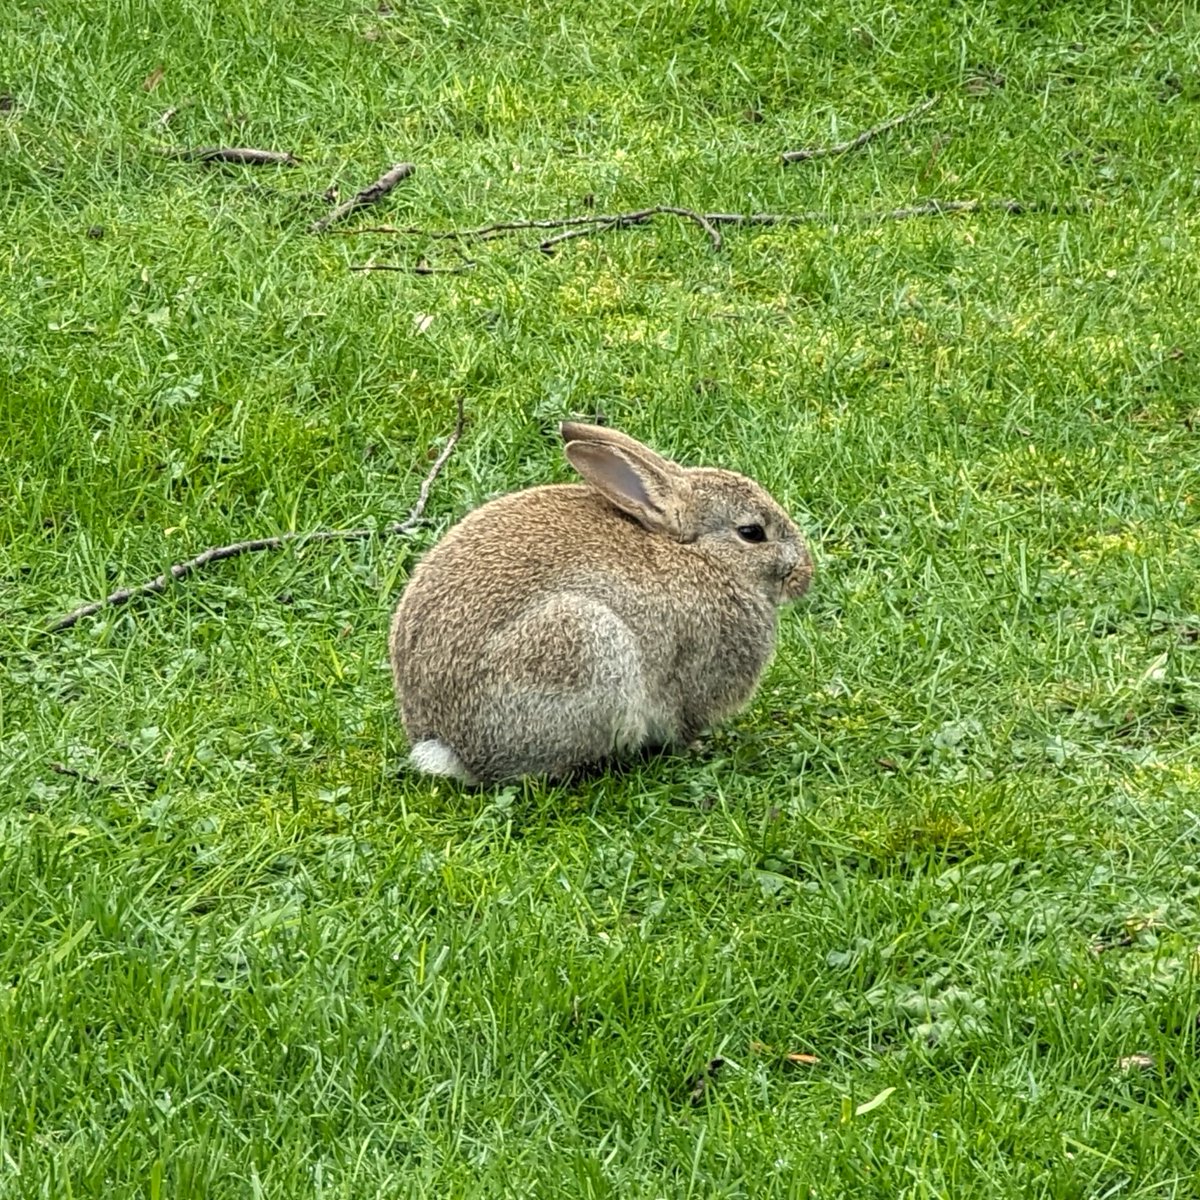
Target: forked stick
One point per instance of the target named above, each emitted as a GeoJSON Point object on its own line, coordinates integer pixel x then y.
{"type": "Point", "coordinates": [221, 553]}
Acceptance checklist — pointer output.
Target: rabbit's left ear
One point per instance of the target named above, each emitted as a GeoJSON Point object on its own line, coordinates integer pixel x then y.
{"type": "Point", "coordinates": [628, 475]}
{"type": "Point", "coordinates": [575, 431]}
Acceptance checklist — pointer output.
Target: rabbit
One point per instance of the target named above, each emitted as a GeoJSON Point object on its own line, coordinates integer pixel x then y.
{"type": "Point", "coordinates": [556, 627]}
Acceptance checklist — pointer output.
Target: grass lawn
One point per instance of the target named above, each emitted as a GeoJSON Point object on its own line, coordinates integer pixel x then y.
{"type": "Point", "coordinates": [953, 848]}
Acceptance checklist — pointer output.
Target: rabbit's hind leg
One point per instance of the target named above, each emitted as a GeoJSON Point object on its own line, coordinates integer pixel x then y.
{"type": "Point", "coordinates": [564, 690]}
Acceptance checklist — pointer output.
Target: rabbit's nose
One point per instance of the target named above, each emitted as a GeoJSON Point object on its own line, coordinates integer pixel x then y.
{"type": "Point", "coordinates": [796, 582]}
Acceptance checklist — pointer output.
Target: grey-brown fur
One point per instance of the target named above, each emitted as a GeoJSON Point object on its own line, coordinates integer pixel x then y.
{"type": "Point", "coordinates": [555, 626]}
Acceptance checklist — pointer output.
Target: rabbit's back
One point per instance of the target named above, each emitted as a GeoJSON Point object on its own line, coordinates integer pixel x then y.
{"type": "Point", "coordinates": [510, 554]}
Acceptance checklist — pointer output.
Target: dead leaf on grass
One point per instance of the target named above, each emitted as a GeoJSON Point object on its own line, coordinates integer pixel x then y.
{"type": "Point", "coordinates": [1135, 1062]}
{"type": "Point", "coordinates": [808, 1060]}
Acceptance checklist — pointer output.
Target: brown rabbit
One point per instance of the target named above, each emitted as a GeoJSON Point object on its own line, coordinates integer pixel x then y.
{"type": "Point", "coordinates": [556, 626]}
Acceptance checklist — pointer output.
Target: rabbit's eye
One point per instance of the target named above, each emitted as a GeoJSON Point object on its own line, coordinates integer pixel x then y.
{"type": "Point", "coordinates": [752, 533]}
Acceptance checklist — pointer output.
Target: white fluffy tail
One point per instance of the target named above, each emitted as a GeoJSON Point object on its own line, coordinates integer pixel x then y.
{"type": "Point", "coordinates": [436, 758]}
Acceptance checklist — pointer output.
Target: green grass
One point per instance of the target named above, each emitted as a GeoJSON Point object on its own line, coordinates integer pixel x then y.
{"type": "Point", "coordinates": [953, 848]}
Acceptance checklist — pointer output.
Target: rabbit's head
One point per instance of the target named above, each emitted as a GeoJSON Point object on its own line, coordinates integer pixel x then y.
{"type": "Point", "coordinates": [722, 515]}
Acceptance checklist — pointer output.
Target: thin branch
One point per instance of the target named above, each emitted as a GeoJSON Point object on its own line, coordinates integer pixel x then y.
{"type": "Point", "coordinates": [808, 217]}
{"type": "Point", "coordinates": [933, 208]}
{"type": "Point", "coordinates": [70, 772]}
{"type": "Point", "coordinates": [587, 224]}
{"type": "Point", "coordinates": [503, 228]}
{"type": "Point", "coordinates": [710, 221]}
{"type": "Point", "coordinates": [923, 208]}
{"type": "Point", "coordinates": [580, 226]}
{"type": "Point", "coordinates": [603, 224]}
{"type": "Point", "coordinates": [422, 268]}
{"type": "Point", "coordinates": [700, 219]}
{"type": "Point", "coordinates": [61, 769]}
{"type": "Point", "coordinates": [369, 195]}
{"type": "Point", "coordinates": [795, 156]}
{"type": "Point", "coordinates": [484, 232]}
{"type": "Point", "coordinates": [418, 509]}
{"type": "Point", "coordinates": [221, 553]}
{"type": "Point", "coordinates": [243, 155]}
{"type": "Point", "coordinates": [547, 246]}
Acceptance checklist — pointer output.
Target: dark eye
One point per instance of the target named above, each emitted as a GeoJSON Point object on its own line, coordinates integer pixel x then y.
{"type": "Point", "coordinates": [752, 533]}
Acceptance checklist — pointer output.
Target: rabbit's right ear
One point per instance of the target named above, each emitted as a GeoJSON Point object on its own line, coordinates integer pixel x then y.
{"type": "Point", "coordinates": [634, 479]}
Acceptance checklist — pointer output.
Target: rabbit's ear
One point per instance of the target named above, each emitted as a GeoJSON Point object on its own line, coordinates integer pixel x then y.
{"type": "Point", "coordinates": [574, 431]}
{"type": "Point", "coordinates": [636, 481]}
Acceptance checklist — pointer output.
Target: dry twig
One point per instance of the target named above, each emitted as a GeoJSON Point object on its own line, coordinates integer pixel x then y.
{"type": "Point", "coordinates": [221, 553]}
{"type": "Point", "coordinates": [922, 208]}
{"type": "Point", "coordinates": [795, 156]}
{"type": "Point", "coordinates": [422, 268]}
{"type": "Point", "coordinates": [61, 769]}
{"type": "Point", "coordinates": [242, 155]}
{"type": "Point", "coordinates": [71, 773]}
{"type": "Point", "coordinates": [369, 195]}
{"type": "Point", "coordinates": [587, 224]}
{"type": "Point", "coordinates": [621, 220]}
{"type": "Point", "coordinates": [484, 232]}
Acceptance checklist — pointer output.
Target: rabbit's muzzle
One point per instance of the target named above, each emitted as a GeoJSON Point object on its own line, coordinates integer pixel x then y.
{"type": "Point", "coordinates": [796, 581]}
